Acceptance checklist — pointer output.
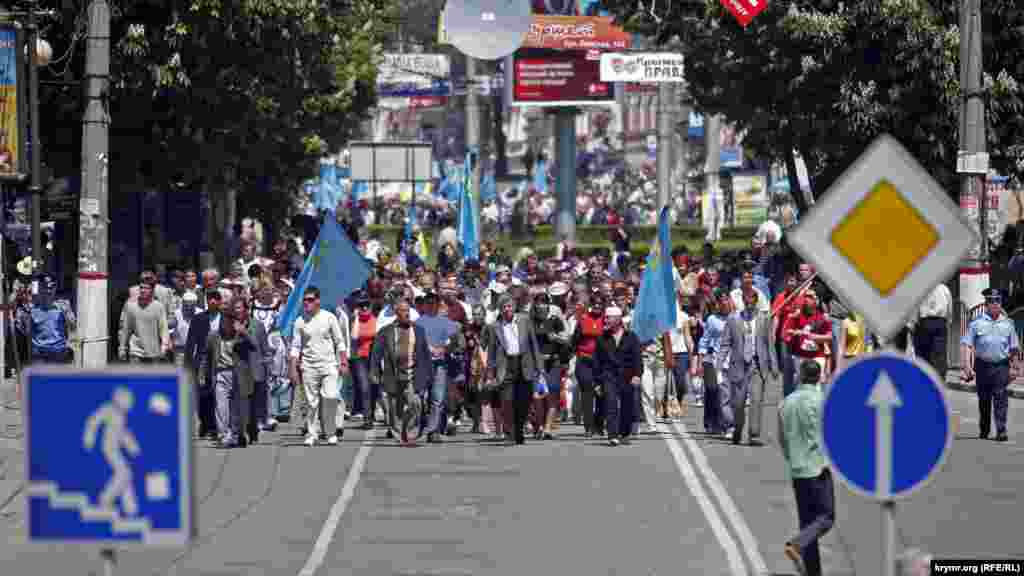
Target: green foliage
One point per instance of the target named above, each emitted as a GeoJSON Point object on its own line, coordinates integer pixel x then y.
{"type": "Point", "coordinates": [234, 92]}
{"type": "Point", "coordinates": [824, 78]}
{"type": "Point", "coordinates": [591, 238]}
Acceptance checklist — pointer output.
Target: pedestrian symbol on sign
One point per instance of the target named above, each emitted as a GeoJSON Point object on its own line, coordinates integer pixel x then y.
{"type": "Point", "coordinates": [116, 437]}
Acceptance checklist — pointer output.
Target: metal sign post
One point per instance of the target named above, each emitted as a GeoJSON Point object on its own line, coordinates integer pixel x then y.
{"type": "Point", "coordinates": [886, 430]}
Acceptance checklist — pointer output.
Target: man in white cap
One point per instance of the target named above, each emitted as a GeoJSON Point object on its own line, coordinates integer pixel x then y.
{"type": "Point", "coordinates": [620, 365]}
{"type": "Point", "coordinates": [494, 294]}
{"type": "Point", "coordinates": [183, 319]}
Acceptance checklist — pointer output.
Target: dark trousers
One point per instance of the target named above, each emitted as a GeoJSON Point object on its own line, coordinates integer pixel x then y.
{"type": "Point", "coordinates": [257, 408]}
{"type": "Point", "coordinates": [930, 343]}
{"type": "Point", "coordinates": [369, 394]}
{"type": "Point", "coordinates": [713, 420]}
{"type": "Point", "coordinates": [787, 367]}
{"type": "Point", "coordinates": [815, 506]}
{"type": "Point", "coordinates": [516, 395]}
{"type": "Point", "coordinates": [620, 401]}
{"type": "Point", "coordinates": [62, 357]}
{"type": "Point", "coordinates": [993, 380]}
{"type": "Point", "coordinates": [206, 407]}
{"type": "Point", "coordinates": [585, 388]}
{"type": "Point", "coordinates": [681, 375]}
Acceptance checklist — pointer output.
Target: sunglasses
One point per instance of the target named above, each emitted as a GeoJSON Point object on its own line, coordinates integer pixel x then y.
{"type": "Point", "coordinates": [309, 299]}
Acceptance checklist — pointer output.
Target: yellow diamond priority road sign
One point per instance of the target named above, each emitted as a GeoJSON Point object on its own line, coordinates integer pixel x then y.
{"type": "Point", "coordinates": [884, 235]}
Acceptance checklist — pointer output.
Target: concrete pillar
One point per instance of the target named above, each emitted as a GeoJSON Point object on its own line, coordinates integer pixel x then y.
{"type": "Point", "coordinates": [565, 157]}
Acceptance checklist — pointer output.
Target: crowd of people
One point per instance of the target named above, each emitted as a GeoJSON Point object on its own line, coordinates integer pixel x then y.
{"type": "Point", "coordinates": [513, 348]}
{"type": "Point", "coordinates": [507, 348]}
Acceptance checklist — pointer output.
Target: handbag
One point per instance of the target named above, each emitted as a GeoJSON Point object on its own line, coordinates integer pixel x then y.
{"type": "Point", "coordinates": [540, 386]}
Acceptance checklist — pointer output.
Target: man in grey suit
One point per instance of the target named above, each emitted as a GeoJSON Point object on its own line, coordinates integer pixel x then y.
{"type": "Point", "coordinates": [513, 360]}
{"type": "Point", "coordinates": [746, 349]}
{"type": "Point", "coordinates": [401, 365]}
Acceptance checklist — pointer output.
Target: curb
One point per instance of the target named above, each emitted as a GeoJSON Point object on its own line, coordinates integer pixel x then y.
{"type": "Point", "coordinates": [1015, 391]}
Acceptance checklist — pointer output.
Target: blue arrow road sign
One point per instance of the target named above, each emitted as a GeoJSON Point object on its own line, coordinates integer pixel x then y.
{"type": "Point", "coordinates": [109, 457]}
{"type": "Point", "coordinates": [886, 425]}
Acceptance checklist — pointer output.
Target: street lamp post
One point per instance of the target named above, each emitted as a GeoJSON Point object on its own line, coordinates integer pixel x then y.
{"type": "Point", "coordinates": [39, 55]}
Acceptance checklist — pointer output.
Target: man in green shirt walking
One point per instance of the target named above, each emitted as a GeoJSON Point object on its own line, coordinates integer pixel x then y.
{"type": "Point", "coordinates": [800, 437]}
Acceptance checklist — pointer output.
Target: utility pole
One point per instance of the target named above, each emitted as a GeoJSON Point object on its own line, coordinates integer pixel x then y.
{"type": "Point", "coordinates": [36, 177]}
{"type": "Point", "coordinates": [473, 144]}
{"type": "Point", "coordinates": [972, 160]}
{"type": "Point", "coordinates": [712, 165]}
{"type": "Point", "coordinates": [93, 263]}
{"type": "Point", "coordinates": [666, 120]}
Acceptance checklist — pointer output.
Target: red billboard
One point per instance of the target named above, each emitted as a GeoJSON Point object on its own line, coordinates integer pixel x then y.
{"type": "Point", "coordinates": [576, 33]}
{"type": "Point", "coordinates": [542, 77]}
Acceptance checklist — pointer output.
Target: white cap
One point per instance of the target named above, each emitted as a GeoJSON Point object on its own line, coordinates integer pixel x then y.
{"type": "Point", "coordinates": [612, 311]}
{"type": "Point", "coordinates": [497, 287]}
{"type": "Point", "coordinates": [558, 289]}
{"type": "Point", "coordinates": [189, 296]}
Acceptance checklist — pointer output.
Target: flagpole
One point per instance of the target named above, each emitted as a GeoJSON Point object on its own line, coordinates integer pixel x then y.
{"type": "Point", "coordinates": [798, 292]}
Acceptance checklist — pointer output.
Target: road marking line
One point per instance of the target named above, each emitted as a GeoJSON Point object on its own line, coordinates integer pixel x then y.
{"type": "Point", "coordinates": [323, 542]}
{"type": "Point", "coordinates": [725, 501]}
{"type": "Point", "coordinates": [736, 564]}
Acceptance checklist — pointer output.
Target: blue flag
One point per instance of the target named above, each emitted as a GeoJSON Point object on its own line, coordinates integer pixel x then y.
{"type": "Point", "coordinates": [655, 311]}
{"type": "Point", "coordinates": [488, 188]}
{"type": "Point", "coordinates": [467, 233]}
{"type": "Point", "coordinates": [540, 177]}
{"type": "Point", "coordinates": [333, 265]}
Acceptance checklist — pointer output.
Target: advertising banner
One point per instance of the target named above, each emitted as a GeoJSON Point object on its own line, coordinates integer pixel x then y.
{"type": "Point", "coordinates": [569, 7]}
{"type": "Point", "coordinates": [414, 75]}
{"type": "Point", "coordinates": [645, 67]}
{"type": "Point", "coordinates": [750, 199]}
{"type": "Point", "coordinates": [558, 78]}
{"type": "Point", "coordinates": [12, 154]}
{"type": "Point", "coordinates": [997, 214]}
{"type": "Point", "coordinates": [576, 33]}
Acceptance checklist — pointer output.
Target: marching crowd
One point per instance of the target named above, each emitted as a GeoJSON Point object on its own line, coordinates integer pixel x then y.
{"type": "Point", "coordinates": [511, 348]}
{"type": "Point", "coordinates": [516, 348]}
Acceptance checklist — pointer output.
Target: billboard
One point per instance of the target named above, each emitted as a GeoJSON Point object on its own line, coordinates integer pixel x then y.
{"type": "Point", "coordinates": [750, 199]}
{"type": "Point", "coordinates": [12, 127]}
{"type": "Point", "coordinates": [646, 67]}
{"type": "Point", "coordinates": [414, 75]}
{"type": "Point", "coordinates": [576, 33]}
{"type": "Point", "coordinates": [542, 77]}
{"type": "Point", "coordinates": [569, 7]}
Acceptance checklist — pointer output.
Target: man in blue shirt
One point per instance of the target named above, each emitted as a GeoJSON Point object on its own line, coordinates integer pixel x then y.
{"type": "Point", "coordinates": [48, 324]}
{"type": "Point", "coordinates": [443, 338]}
{"type": "Point", "coordinates": [717, 418]}
{"type": "Point", "coordinates": [986, 351]}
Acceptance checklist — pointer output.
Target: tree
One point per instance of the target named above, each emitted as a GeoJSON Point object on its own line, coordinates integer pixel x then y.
{"type": "Point", "coordinates": [226, 95]}
{"type": "Point", "coordinates": [825, 78]}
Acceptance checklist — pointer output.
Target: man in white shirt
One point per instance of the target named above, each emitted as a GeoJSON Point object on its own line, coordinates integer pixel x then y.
{"type": "Point", "coordinates": [320, 348]}
{"type": "Point", "coordinates": [931, 332]}
{"type": "Point", "coordinates": [764, 304]}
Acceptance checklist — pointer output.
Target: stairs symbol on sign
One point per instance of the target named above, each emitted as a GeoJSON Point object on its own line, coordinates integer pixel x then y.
{"type": "Point", "coordinates": [88, 513]}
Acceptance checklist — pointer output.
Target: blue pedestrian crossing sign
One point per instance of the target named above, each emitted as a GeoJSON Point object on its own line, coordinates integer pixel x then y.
{"type": "Point", "coordinates": [109, 457]}
{"type": "Point", "coordinates": [886, 425]}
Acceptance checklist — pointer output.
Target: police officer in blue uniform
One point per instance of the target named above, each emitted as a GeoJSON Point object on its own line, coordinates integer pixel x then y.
{"type": "Point", "coordinates": [987, 350]}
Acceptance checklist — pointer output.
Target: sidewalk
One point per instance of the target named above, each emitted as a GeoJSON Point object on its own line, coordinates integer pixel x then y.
{"type": "Point", "coordinates": [12, 457]}
{"type": "Point", "coordinates": [954, 381]}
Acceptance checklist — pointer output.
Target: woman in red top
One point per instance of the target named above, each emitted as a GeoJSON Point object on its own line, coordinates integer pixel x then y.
{"type": "Point", "coordinates": [589, 327]}
{"type": "Point", "coordinates": [364, 330]}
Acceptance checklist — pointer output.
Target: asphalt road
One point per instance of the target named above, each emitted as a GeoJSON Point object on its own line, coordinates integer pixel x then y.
{"type": "Point", "coordinates": [675, 503]}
